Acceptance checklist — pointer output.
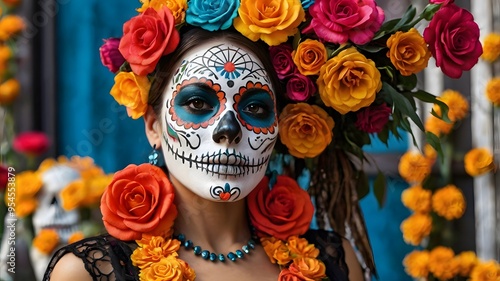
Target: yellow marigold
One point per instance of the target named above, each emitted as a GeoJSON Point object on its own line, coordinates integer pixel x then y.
{"type": "Point", "coordinates": [167, 268]}
{"type": "Point", "coordinates": [478, 161]}
{"type": "Point", "coordinates": [28, 183]}
{"type": "Point", "coordinates": [437, 126]}
{"type": "Point", "coordinates": [25, 207]}
{"type": "Point", "coordinates": [10, 25]}
{"type": "Point", "coordinates": [300, 247]}
{"type": "Point", "coordinates": [408, 52]}
{"type": "Point", "coordinates": [493, 91]}
{"type": "Point", "coordinates": [416, 264]}
{"type": "Point", "coordinates": [9, 90]}
{"type": "Point", "coordinates": [73, 195]}
{"type": "Point", "coordinates": [46, 241]}
{"type": "Point", "coordinates": [417, 199]}
{"type": "Point", "coordinates": [442, 263]}
{"type": "Point", "coordinates": [95, 188]}
{"type": "Point", "coordinates": [457, 104]}
{"type": "Point", "coordinates": [349, 81]}
{"type": "Point", "coordinates": [305, 129]}
{"type": "Point", "coordinates": [310, 267]}
{"type": "Point", "coordinates": [491, 47]}
{"type": "Point", "coordinates": [271, 21]}
{"type": "Point", "coordinates": [448, 202]}
{"type": "Point", "coordinates": [131, 91]}
{"type": "Point", "coordinates": [309, 57]}
{"type": "Point", "coordinates": [414, 167]}
{"type": "Point", "coordinates": [416, 227]}
{"type": "Point", "coordinates": [177, 7]}
{"type": "Point", "coordinates": [153, 249]}
{"type": "Point", "coordinates": [486, 271]}
{"type": "Point", "coordinates": [270, 245]}
{"type": "Point", "coordinates": [466, 262]}
{"type": "Point", "coordinates": [282, 255]}
{"type": "Point", "coordinates": [75, 237]}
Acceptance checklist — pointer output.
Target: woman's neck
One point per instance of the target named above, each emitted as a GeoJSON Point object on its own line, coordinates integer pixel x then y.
{"type": "Point", "coordinates": [216, 226]}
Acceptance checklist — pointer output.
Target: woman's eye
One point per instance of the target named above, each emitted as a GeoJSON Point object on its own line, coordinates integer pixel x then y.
{"type": "Point", "coordinates": [198, 104]}
{"type": "Point", "coordinates": [255, 109]}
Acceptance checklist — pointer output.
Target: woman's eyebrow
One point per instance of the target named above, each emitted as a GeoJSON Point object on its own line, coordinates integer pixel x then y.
{"type": "Point", "coordinates": [200, 85]}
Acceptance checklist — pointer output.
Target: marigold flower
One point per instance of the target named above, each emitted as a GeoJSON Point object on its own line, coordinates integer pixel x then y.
{"type": "Point", "coordinates": [300, 247]}
{"type": "Point", "coordinates": [12, 2]}
{"type": "Point", "coordinates": [437, 126]}
{"type": "Point", "coordinates": [25, 207]}
{"type": "Point", "coordinates": [493, 91]}
{"type": "Point", "coordinates": [131, 91]}
{"type": "Point", "coordinates": [449, 202]}
{"type": "Point", "coordinates": [46, 241]}
{"type": "Point", "coordinates": [491, 47]}
{"type": "Point", "coordinates": [282, 255]}
{"type": "Point", "coordinates": [417, 199]}
{"type": "Point", "coordinates": [466, 262]}
{"type": "Point", "coordinates": [28, 183]}
{"type": "Point", "coordinates": [95, 188]}
{"type": "Point", "coordinates": [408, 52]}
{"type": "Point", "coordinates": [442, 263]}
{"type": "Point", "coordinates": [10, 25]}
{"type": "Point", "coordinates": [9, 90]}
{"type": "Point", "coordinates": [416, 264]}
{"type": "Point", "coordinates": [478, 161]}
{"type": "Point", "coordinates": [457, 104]}
{"type": "Point", "coordinates": [310, 268]}
{"type": "Point", "coordinates": [414, 167]}
{"type": "Point", "coordinates": [75, 237]}
{"type": "Point", "coordinates": [152, 249]}
{"type": "Point", "coordinates": [486, 271]}
{"type": "Point", "coordinates": [270, 245]}
{"type": "Point", "coordinates": [73, 194]}
{"type": "Point", "coordinates": [177, 7]}
{"type": "Point", "coordinates": [309, 57]}
{"type": "Point", "coordinates": [349, 81]}
{"type": "Point", "coordinates": [430, 152]}
{"type": "Point", "coordinates": [5, 53]}
{"type": "Point", "coordinates": [305, 129]}
{"type": "Point", "coordinates": [416, 227]}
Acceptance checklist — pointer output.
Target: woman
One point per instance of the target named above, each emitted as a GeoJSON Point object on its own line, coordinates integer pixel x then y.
{"type": "Point", "coordinates": [213, 110]}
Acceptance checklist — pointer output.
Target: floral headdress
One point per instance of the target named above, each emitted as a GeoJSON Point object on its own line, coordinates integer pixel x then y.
{"type": "Point", "coordinates": [348, 75]}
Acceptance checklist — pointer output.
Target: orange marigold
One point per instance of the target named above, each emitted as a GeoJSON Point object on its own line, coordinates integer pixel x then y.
{"type": "Point", "coordinates": [437, 126]}
{"type": "Point", "coordinates": [282, 255]}
{"type": "Point", "coordinates": [417, 199]}
{"type": "Point", "coordinates": [430, 153]}
{"type": "Point", "coordinates": [478, 161]}
{"type": "Point", "coordinates": [414, 167]}
{"type": "Point", "coordinates": [46, 241]}
{"type": "Point", "coordinates": [75, 237]}
{"type": "Point", "coordinates": [416, 227]}
{"type": "Point", "coordinates": [491, 47]}
{"type": "Point", "coordinates": [310, 268]}
{"type": "Point", "coordinates": [449, 202]}
{"type": "Point", "coordinates": [466, 262]}
{"type": "Point", "coordinates": [493, 91]}
{"type": "Point", "coordinates": [270, 245]}
{"type": "Point", "coordinates": [486, 271]}
{"type": "Point", "coordinates": [11, 25]}
{"type": "Point", "coordinates": [25, 206]}
{"type": "Point", "coordinates": [300, 247]}
{"type": "Point", "coordinates": [152, 249]}
{"type": "Point", "coordinates": [416, 264]}
{"type": "Point", "coordinates": [442, 263]}
{"type": "Point", "coordinates": [73, 194]}
{"type": "Point", "coordinates": [458, 106]}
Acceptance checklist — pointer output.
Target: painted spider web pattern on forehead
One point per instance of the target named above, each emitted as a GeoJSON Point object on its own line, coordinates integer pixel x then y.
{"type": "Point", "coordinates": [223, 61]}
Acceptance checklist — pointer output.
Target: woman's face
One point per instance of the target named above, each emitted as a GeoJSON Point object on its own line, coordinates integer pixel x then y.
{"type": "Point", "coordinates": [219, 121]}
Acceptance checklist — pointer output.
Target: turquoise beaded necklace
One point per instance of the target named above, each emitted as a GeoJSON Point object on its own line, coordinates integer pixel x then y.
{"type": "Point", "coordinates": [207, 255]}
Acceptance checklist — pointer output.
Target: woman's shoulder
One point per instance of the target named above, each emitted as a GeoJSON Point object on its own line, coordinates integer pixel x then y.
{"type": "Point", "coordinates": [99, 258]}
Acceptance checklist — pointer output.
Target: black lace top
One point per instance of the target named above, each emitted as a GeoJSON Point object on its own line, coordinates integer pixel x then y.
{"type": "Point", "coordinates": [107, 258]}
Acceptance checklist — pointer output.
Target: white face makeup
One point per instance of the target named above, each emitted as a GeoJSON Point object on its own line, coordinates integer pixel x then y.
{"type": "Point", "coordinates": [219, 122]}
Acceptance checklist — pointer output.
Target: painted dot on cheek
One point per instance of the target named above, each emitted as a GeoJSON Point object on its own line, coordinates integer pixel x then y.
{"type": "Point", "coordinates": [230, 83]}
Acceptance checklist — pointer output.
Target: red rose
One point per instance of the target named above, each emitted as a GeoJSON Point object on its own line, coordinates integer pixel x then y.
{"type": "Point", "coordinates": [282, 60]}
{"type": "Point", "coordinates": [147, 37]}
{"type": "Point", "coordinates": [453, 39]}
{"type": "Point", "coordinates": [110, 55]}
{"type": "Point", "coordinates": [4, 177]}
{"type": "Point", "coordinates": [300, 87]}
{"type": "Point", "coordinates": [281, 212]}
{"type": "Point", "coordinates": [139, 200]}
{"type": "Point", "coordinates": [31, 143]}
{"type": "Point", "coordinates": [372, 119]}
{"type": "Point", "coordinates": [444, 2]}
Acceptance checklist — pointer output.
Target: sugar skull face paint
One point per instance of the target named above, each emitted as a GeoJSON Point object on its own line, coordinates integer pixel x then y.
{"type": "Point", "coordinates": [220, 122]}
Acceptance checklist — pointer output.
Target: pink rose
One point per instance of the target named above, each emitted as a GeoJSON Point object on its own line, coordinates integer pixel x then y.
{"type": "Point", "coordinates": [300, 87]}
{"type": "Point", "coordinates": [453, 39]}
{"type": "Point", "coordinates": [444, 2]}
{"type": "Point", "coordinates": [338, 21]}
{"type": "Point", "coordinates": [372, 119]}
{"type": "Point", "coordinates": [147, 37]}
{"type": "Point", "coordinates": [281, 56]}
{"type": "Point", "coordinates": [31, 143]}
{"type": "Point", "coordinates": [110, 55]}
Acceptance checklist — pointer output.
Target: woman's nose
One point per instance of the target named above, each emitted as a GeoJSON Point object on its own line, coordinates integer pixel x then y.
{"type": "Point", "coordinates": [228, 129]}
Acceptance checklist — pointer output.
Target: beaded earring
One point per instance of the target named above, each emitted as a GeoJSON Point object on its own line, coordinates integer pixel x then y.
{"type": "Point", "coordinates": [156, 157]}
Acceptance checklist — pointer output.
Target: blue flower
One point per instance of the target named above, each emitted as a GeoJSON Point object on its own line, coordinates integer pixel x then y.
{"type": "Point", "coordinates": [212, 15]}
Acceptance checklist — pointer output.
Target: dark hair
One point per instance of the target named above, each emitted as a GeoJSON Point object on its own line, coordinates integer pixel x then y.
{"type": "Point", "coordinates": [195, 36]}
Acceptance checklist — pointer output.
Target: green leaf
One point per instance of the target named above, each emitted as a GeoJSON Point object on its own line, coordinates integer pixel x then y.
{"type": "Point", "coordinates": [406, 18]}
{"type": "Point", "coordinates": [372, 48]}
{"type": "Point", "coordinates": [402, 104]}
{"type": "Point", "coordinates": [362, 185]}
{"type": "Point", "coordinates": [435, 142]}
{"type": "Point", "coordinates": [408, 82]}
{"type": "Point", "coordinates": [430, 98]}
{"type": "Point", "coordinates": [383, 135]}
{"type": "Point", "coordinates": [379, 189]}
{"type": "Point", "coordinates": [430, 10]}
{"type": "Point", "coordinates": [405, 125]}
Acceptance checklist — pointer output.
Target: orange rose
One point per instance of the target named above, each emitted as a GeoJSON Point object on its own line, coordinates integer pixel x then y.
{"type": "Point", "coordinates": [310, 268]}
{"type": "Point", "coordinates": [306, 130]}
{"type": "Point", "coordinates": [310, 57]}
{"type": "Point", "coordinates": [408, 52]}
{"type": "Point", "coordinates": [138, 201]}
{"type": "Point", "coordinates": [177, 7]}
{"type": "Point", "coordinates": [269, 20]}
{"type": "Point", "coordinates": [168, 268]}
{"type": "Point", "coordinates": [131, 91]}
{"type": "Point", "coordinates": [292, 274]}
{"type": "Point", "coordinates": [283, 211]}
{"type": "Point", "coordinates": [147, 37]}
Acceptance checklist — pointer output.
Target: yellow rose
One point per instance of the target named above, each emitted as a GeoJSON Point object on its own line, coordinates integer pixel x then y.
{"type": "Point", "coordinates": [417, 199]}
{"type": "Point", "coordinates": [46, 241]}
{"type": "Point", "coordinates": [167, 268]}
{"type": "Point", "coordinates": [414, 167]}
{"type": "Point", "coordinates": [448, 202]}
{"type": "Point", "coordinates": [73, 195]}
{"type": "Point", "coordinates": [272, 21]}
{"type": "Point", "coordinates": [310, 268]}
{"type": "Point", "coordinates": [491, 47]}
{"type": "Point", "coordinates": [75, 237]}
{"type": "Point", "coordinates": [153, 249]}
{"type": "Point", "coordinates": [177, 7]}
{"type": "Point", "coordinates": [486, 271]}
{"type": "Point", "coordinates": [466, 262]}
{"type": "Point", "coordinates": [349, 81]}
{"type": "Point", "coordinates": [9, 90]}
{"type": "Point", "coordinates": [457, 104]}
{"type": "Point", "coordinates": [416, 264]}
{"type": "Point", "coordinates": [305, 129]}
{"type": "Point", "coordinates": [478, 161]}
{"type": "Point", "coordinates": [309, 57]}
{"type": "Point", "coordinates": [131, 91]}
{"type": "Point", "coordinates": [300, 247]}
{"type": "Point", "coordinates": [10, 25]}
{"type": "Point", "coordinates": [408, 52]}
{"type": "Point", "coordinates": [442, 263]}
{"type": "Point", "coordinates": [416, 227]}
{"type": "Point", "coordinates": [493, 91]}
